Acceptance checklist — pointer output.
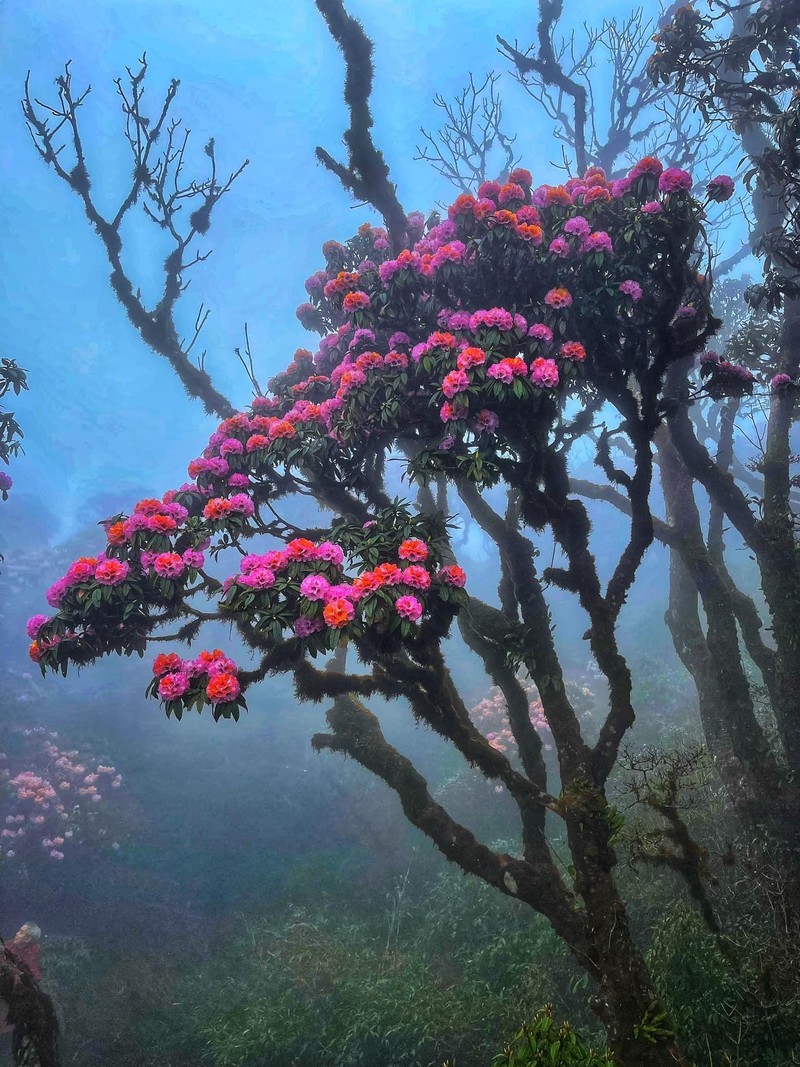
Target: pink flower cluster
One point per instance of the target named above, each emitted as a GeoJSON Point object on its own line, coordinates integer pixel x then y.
{"type": "Point", "coordinates": [211, 676]}
{"type": "Point", "coordinates": [85, 570]}
{"type": "Point", "coordinates": [309, 578]}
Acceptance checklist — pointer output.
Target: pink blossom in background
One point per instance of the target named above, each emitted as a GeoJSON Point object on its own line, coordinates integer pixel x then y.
{"type": "Point", "coordinates": [573, 350]}
{"type": "Point", "coordinates": [494, 317]}
{"type": "Point", "coordinates": [258, 578]}
{"type": "Point", "coordinates": [459, 320]}
{"type": "Point", "coordinates": [396, 360]}
{"type": "Point", "coordinates": [599, 241]}
{"type": "Point", "coordinates": [453, 575]}
{"type": "Point", "coordinates": [510, 191]}
{"type": "Point", "coordinates": [222, 665]}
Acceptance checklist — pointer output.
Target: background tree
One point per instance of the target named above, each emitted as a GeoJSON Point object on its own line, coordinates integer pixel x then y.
{"type": "Point", "coordinates": [179, 206]}
{"type": "Point", "coordinates": [735, 77]}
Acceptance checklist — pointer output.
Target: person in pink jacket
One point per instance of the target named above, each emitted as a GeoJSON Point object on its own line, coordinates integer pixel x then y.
{"type": "Point", "coordinates": [27, 1013]}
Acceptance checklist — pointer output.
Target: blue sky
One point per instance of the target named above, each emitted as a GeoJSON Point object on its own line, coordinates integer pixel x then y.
{"type": "Point", "coordinates": [104, 413]}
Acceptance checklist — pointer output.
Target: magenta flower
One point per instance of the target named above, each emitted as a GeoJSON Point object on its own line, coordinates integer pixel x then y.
{"type": "Point", "coordinates": [544, 372]}
{"type": "Point", "coordinates": [578, 226]}
{"type": "Point", "coordinates": [34, 625]}
{"type": "Point", "coordinates": [632, 289]}
{"type": "Point", "coordinates": [541, 332]}
{"type": "Point", "coordinates": [259, 577]}
{"type": "Point", "coordinates": [720, 188]}
{"type": "Point", "coordinates": [417, 577]}
{"type": "Point", "coordinates": [408, 607]}
{"type": "Point", "coordinates": [599, 241]}
{"type": "Point", "coordinates": [304, 627]}
{"type": "Point", "coordinates": [494, 317]}
{"type": "Point", "coordinates": [458, 320]}
{"type": "Point", "coordinates": [192, 557]}
{"type": "Point", "coordinates": [315, 587]}
{"type": "Point", "coordinates": [242, 504]}
{"type": "Point", "coordinates": [222, 665]}
{"type": "Point", "coordinates": [489, 189]}
{"type": "Point", "coordinates": [778, 383]}
{"type": "Point", "coordinates": [330, 552]}
{"type": "Point", "coordinates": [231, 446]}
{"type": "Point", "coordinates": [173, 686]}
{"type": "Point", "coordinates": [559, 247]}
{"type": "Point", "coordinates": [55, 594]}
{"type": "Point", "coordinates": [652, 207]}
{"type": "Point", "coordinates": [455, 382]}
{"type": "Point", "coordinates": [675, 180]}
{"type": "Point", "coordinates": [169, 565]}
{"type": "Point", "coordinates": [111, 571]}
{"type": "Point", "coordinates": [81, 570]}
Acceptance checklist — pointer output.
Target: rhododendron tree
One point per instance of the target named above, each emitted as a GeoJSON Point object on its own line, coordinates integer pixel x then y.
{"type": "Point", "coordinates": [470, 354]}
{"type": "Point", "coordinates": [474, 357]}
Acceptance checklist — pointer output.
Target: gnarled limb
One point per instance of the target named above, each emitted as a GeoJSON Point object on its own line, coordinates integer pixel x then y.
{"type": "Point", "coordinates": [158, 183]}
{"type": "Point", "coordinates": [366, 175]}
{"type": "Point", "coordinates": [356, 732]}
